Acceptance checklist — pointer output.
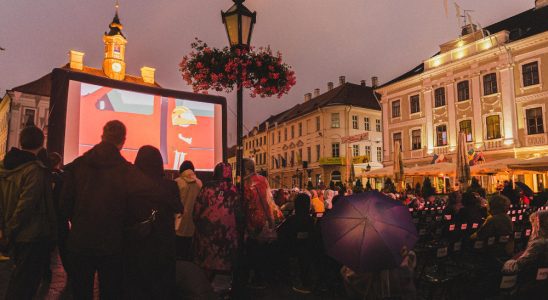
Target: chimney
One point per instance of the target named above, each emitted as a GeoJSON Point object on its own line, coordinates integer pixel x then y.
{"type": "Point", "coordinates": [148, 74]}
{"type": "Point", "coordinates": [362, 83]}
{"type": "Point", "coordinates": [540, 3]}
{"type": "Point", "coordinates": [316, 92]}
{"type": "Point", "coordinates": [329, 86]}
{"type": "Point", "coordinates": [374, 81]}
{"type": "Point", "coordinates": [342, 80]}
{"type": "Point", "coordinates": [76, 60]}
{"type": "Point", "coordinates": [307, 97]}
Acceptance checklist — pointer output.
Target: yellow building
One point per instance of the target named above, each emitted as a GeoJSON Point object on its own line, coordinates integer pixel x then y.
{"type": "Point", "coordinates": [319, 140]}
{"type": "Point", "coordinates": [490, 84]}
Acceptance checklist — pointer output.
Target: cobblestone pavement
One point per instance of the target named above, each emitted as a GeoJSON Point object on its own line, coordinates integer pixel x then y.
{"type": "Point", "coordinates": [56, 287]}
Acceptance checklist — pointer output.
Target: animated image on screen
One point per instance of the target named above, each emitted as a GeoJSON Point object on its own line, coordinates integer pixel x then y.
{"type": "Point", "coordinates": [181, 129]}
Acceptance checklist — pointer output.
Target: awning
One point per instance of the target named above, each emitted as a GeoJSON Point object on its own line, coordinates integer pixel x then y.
{"type": "Point", "coordinates": [439, 169]}
{"type": "Point", "coordinates": [536, 164]}
{"type": "Point", "coordinates": [494, 167]}
{"type": "Point", "coordinates": [381, 172]}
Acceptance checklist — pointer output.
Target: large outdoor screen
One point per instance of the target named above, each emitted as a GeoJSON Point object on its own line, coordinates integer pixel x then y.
{"type": "Point", "coordinates": [181, 129]}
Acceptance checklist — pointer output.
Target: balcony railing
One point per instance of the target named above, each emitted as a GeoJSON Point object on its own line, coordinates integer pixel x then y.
{"type": "Point", "coordinates": [536, 139]}
{"type": "Point", "coordinates": [441, 150]}
{"type": "Point", "coordinates": [493, 144]}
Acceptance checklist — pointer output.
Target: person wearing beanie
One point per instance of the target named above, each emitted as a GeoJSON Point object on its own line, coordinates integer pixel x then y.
{"type": "Point", "coordinates": [189, 188]}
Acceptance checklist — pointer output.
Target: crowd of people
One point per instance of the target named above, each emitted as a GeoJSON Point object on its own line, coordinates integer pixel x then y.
{"type": "Point", "coordinates": [145, 235]}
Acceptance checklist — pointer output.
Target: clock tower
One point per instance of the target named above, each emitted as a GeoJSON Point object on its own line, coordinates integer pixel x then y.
{"type": "Point", "coordinates": [115, 42]}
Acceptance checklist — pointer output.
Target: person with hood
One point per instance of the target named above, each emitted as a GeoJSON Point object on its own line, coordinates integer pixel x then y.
{"type": "Point", "coordinates": [216, 234]}
{"type": "Point", "coordinates": [27, 217]}
{"type": "Point", "coordinates": [98, 192]}
{"type": "Point", "coordinates": [189, 188]}
{"type": "Point", "coordinates": [537, 247]}
{"type": "Point", "coordinates": [148, 278]}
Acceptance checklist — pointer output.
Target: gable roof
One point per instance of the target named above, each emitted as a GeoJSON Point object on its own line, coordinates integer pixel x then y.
{"type": "Point", "coordinates": [520, 26]}
{"type": "Point", "coordinates": [42, 86]}
{"type": "Point", "coordinates": [345, 94]}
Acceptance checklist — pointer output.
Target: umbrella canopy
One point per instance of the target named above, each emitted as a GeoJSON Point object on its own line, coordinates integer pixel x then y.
{"type": "Point", "coordinates": [398, 162]}
{"type": "Point", "coordinates": [525, 188]}
{"type": "Point", "coordinates": [445, 168]}
{"type": "Point", "coordinates": [536, 164]}
{"type": "Point", "coordinates": [495, 166]}
{"type": "Point", "coordinates": [381, 172]}
{"type": "Point", "coordinates": [367, 231]}
{"type": "Point", "coordinates": [463, 167]}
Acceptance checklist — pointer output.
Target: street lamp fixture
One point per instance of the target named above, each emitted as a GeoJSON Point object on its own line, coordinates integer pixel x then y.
{"type": "Point", "coordinates": [368, 168]}
{"type": "Point", "coordinates": [239, 22]}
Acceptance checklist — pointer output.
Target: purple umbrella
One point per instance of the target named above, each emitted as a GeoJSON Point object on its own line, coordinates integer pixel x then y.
{"type": "Point", "coordinates": [367, 231]}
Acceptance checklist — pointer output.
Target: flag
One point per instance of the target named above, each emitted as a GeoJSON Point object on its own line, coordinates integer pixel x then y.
{"type": "Point", "coordinates": [469, 17]}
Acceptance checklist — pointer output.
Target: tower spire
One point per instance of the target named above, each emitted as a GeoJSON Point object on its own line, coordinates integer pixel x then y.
{"type": "Point", "coordinates": [115, 26]}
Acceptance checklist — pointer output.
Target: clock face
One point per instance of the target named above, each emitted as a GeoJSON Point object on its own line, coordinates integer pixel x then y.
{"type": "Point", "coordinates": [116, 67]}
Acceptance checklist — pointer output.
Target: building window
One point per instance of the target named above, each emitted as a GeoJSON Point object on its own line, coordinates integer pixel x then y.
{"type": "Point", "coordinates": [493, 127]}
{"type": "Point", "coordinates": [264, 139]}
{"type": "Point", "coordinates": [355, 150]}
{"type": "Point", "coordinates": [396, 137]}
{"type": "Point", "coordinates": [292, 158]}
{"type": "Point", "coordinates": [335, 150]}
{"type": "Point", "coordinates": [529, 72]}
{"type": "Point", "coordinates": [335, 120]}
{"type": "Point", "coordinates": [354, 122]}
{"type": "Point", "coordinates": [279, 136]}
{"type": "Point", "coordinates": [292, 131]}
{"type": "Point", "coordinates": [463, 91]}
{"type": "Point", "coordinates": [366, 123]}
{"type": "Point", "coordinates": [466, 127]}
{"type": "Point", "coordinates": [318, 154]}
{"type": "Point", "coordinates": [308, 154]}
{"type": "Point", "coordinates": [396, 109]}
{"type": "Point", "coordinates": [300, 155]}
{"type": "Point", "coordinates": [378, 125]}
{"type": "Point", "coordinates": [535, 123]}
{"type": "Point", "coordinates": [317, 123]}
{"type": "Point", "coordinates": [273, 162]}
{"type": "Point", "coordinates": [300, 129]}
{"type": "Point", "coordinates": [441, 135]}
{"type": "Point", "coordinates": [439, 97]}
{"type": "Point", "coordinates": [416, 139]}
{"type": "Point", "coordinates": [368, 152]}
{"type": "Point", "coordinates": [379, 154]}
{"type": "Point", "coordinates": [285, 134]}
{"type": "Point", "coordinates": [490, 84]}
{"type": "Point", "coordinates": [29, 117]}
{"type": "Point", "coordinates": [415, 104]}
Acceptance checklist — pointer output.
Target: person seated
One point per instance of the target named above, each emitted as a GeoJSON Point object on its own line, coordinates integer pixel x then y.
{"type": "Point", "coordinates": [537, 247]}
{"type": "Point", "coordinates": [298, 234]}
{"type": "Point", "coordinates": [471, 212]}
{"type": "Point", "coordinates": [497, 224]}
{"type": "Point", "coordinates": [454, 204]}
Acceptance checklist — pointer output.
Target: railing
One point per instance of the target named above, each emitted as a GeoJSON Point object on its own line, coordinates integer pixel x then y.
{"type": "Point", "coordinates": [441, 150]}
{"type": "Point", "coordinates": [493, 144]}
{"type": "Point", "coordinates": [536, 139]}
{"type": "Point", "coordinates": [419, 153]}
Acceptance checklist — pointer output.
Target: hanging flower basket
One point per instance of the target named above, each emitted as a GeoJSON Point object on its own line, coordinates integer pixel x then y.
{"type": "Point", "coordinates": [265, 74]}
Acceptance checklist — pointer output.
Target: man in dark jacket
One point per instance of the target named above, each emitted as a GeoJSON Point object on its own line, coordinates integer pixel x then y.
{"type": "Point", "coordinates": [27, 218]}
{"type": "Point", "coordinates": [97, 192]}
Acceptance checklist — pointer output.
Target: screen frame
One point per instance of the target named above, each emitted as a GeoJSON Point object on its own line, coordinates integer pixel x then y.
{"type": "Point", "coordinates": [59, 98]}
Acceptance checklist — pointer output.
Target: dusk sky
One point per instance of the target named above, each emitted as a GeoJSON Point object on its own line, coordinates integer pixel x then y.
{"type": "Point", "coordinates": [320, 39]}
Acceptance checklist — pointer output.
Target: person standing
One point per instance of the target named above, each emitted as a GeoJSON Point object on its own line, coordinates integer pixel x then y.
{"type": "Point", "coordinates": [98, 190]}
{"type": "Point", "coordinates": [150, 253]}
{"type": "Point", "coordinates": [261, 214]}
{"type": "Point", "coordinates": [216, 235]}
{"type": "Point", "coordinates": [27, 217]}
{"type": "Point", "coordinates": [189, 188]}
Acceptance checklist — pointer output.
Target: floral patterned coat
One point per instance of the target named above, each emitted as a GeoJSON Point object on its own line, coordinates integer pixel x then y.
{"type": "Point", "coordinates": [216, 235]}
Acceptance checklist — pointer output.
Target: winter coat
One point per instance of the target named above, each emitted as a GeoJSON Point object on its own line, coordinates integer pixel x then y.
{"type": "Point", "coordinates": [26, 204]}
{"type": "Point", "coordinates": [189, 188]}
{"type": "Point", "coordinates": [99, 188]}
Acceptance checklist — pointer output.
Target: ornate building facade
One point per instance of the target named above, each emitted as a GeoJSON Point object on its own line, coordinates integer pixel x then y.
{"type": "Point", "coordinates": [334, 136]}
{"type": "Point", "coordinates": [489, 83]}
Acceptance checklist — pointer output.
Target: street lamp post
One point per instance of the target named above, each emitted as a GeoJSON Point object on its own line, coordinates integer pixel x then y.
{"type": "Point", "coordinates": [239, 22]}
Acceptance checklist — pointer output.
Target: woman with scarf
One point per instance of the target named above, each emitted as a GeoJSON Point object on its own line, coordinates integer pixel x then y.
{"type": "Point", "coordinates": [216, 235]}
